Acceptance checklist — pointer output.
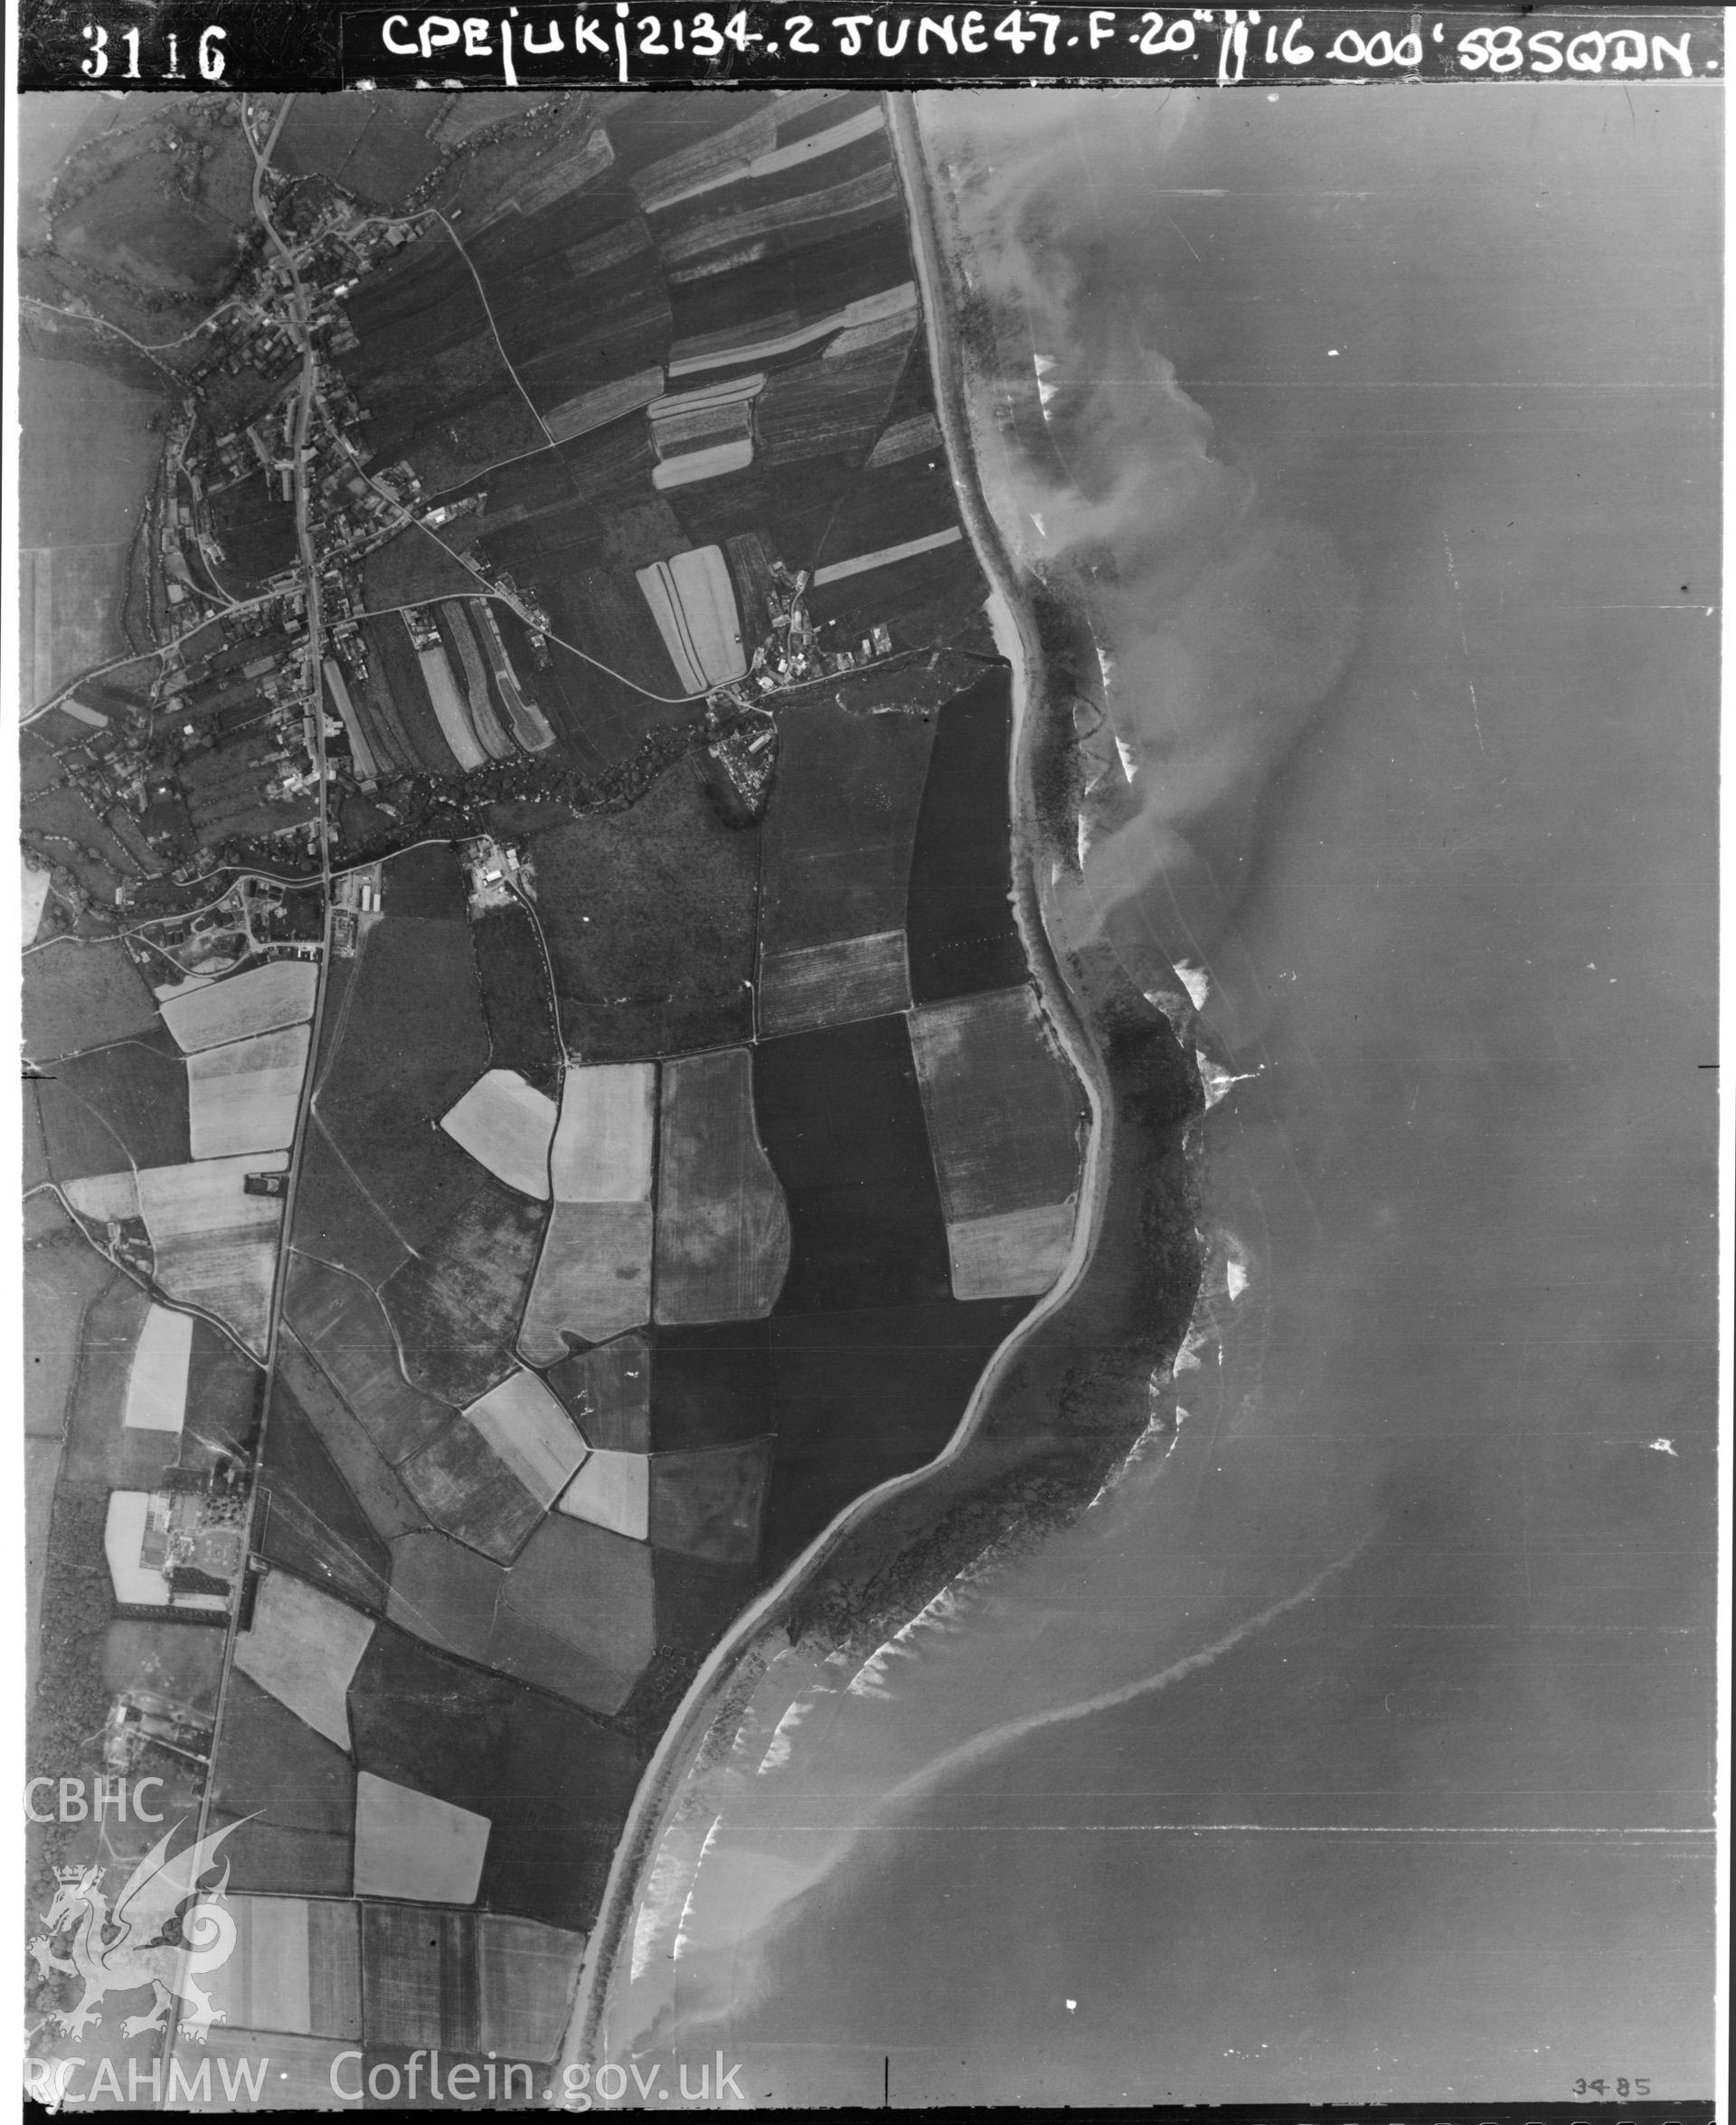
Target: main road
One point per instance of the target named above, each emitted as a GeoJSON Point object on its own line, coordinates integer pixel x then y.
{"type": "Point", "coordinates": [298, 317]}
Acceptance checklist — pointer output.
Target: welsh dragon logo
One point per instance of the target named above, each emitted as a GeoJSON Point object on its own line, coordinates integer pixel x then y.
{"type": "Point", "coordinates": [131, 1947]}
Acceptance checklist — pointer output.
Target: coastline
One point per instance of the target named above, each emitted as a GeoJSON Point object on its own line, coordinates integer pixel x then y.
{"type": "Point", "coordinates": [737, 1663]}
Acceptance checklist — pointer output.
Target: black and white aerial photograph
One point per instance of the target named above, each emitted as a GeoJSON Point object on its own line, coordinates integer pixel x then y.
{"type": "Point", "coordinates": [871, 1170]}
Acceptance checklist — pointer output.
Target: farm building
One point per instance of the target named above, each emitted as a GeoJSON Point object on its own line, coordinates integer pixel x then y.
{"type": "Point", "coordinates": [165, 1551]}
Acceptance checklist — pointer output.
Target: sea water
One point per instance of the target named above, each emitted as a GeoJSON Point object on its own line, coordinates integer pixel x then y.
{"type": "Point", "coordinates": [1356, 1743]}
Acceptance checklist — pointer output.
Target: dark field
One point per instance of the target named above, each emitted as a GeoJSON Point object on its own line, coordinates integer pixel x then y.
{"type": "Point", "coordinates": [554, 1784]}
{"type": "Point", "coordinates": [312, 1524]}
{"type": "Point", "coordinates": [273, 1860]}
{"type": "Point", "coordinates": [414, 567]}
{"type": "Point", "coordinates": [366, 1473]}
{"type": "Point", "coordinates": [136, 224]}
{"type": "Point", "coordinates": [97, 1454]}
{"type": "Point", "coordinates": [960, 928]}
{"type": "Point", "coordinates": [708, 1504]}
{"type": "Point", "coordinates": [892, 503]}
{"type": "Point", "coordinates": [841, 1115]}
{"type": "Point", "coordinates": [828, 408]}
{"type": "Point", "coordinates": [444, 1593]}
{"type": "Point", "coordinates": [268, 1759]}
{"type": "Point", "coordinates": [468, 1491]}
{"type": "Point", "coordinates": [257, 531]}
{"type": "Point", "coordinates": [456, 1308]}
{"type": "Point", "coordinates": [413, 1040]}
{"type": "Point", "coordinates": [663, 962]}
{"type": "Point", "coordinates": [427, 881]}
{"type": "Point", "coordinates": [223, 1397]}
{"type": "Point", "coordinates": [841, 824]}
{"type": "Point", "coordinates": [115, 1106]}
{"type": "Point", "coordinates": [340, 1324]}
{"type": "Point", "coordinates": [334, 1221]}
{"type": "Point", "coordinates": [374, 145]}
{"type": "Point", "coordinates": [577, 1613]}
{"type": "Point", "coordinates": [515, 998]}
{"type": "Point", "coordinates": [924, 601]}
{"type": "Point", "coordinates": [867, 1394]}
{"type": "Point", "coordinates": [1005, 1110]}
{"type": "Point", "coordinates": [607, 1391]}
{"type": "Point", "coordinates": [791, 506]}
{"type": "Point", "coordinates": [80, 995]}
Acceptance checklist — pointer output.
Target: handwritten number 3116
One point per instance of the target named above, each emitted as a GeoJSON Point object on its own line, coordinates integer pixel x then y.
{"type": "Point", "coordinates": [95, 63]}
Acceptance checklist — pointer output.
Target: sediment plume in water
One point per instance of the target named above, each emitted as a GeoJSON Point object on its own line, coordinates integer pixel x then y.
{"type": "Point", "coordinates": [1222, 623]}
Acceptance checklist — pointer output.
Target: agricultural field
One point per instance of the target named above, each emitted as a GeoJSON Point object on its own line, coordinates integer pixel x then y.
{"type": "Point", "coordinates": [607, 1391]}
{"type": "Point", "coordinates": [708, 1504]}
{"type": "Point", "coordinates": [554, 1783]}
{"type": "Point", "coordinates": [377, 146]}
{"type": "Point", "coordinates": [245, 1097]}
{"type": "Point", "coordinates": [214, 1245]}
{"type": "Point", "coordinates": [82, 996]}
{"type": "Point", "coordinates": [466, 1489]}
{"type": "Point", "coordinates": [410, 1845]}
{"type": "Point", "coordinates": [314, 1523]}
{"type": "Point", "coordinates": [75, 535]}
{"type": "Point", "coordinates": [612, 1491]}
{"type": "Point", "coordinates": [424, 882]}
{"type": "Point", "coordinates": [261, 999]}
{"type": "Point", "coordinates": [839, 834]}
{"type": "Point", "coordinates": [256, 529]}
{"type": "Point", "coordinates": [515, 998]}
{"type": "Point", "coordinates": [507, 1126]}
{"type": "Point", "coordinates": [722, 1244]}
{"type": "Point", "coordinates": [454, 1309]}
{"type": "Point", "coordinates": [296, 1967]}
{"type": "Point", "coordinates": [397, 694]}
{"type": "Point", "coordinates": [413, 1039]}
{"type": "Point", "coordinates": [302, 1647]}
{"type": "Point", "coordinates": [709, 1386]}
{"type": "Point", "coordinates": [614, 1275]}
{"type": "Point", "coordinates": [593, 1278]}
{"type": "Point", "coordinates": [270, 1762]}
{"type": "Point", "coordinates": [1006, 1117]}
{"type": "Point", "coordinates": [334, 1220]}
{"type": "Point", "coordinates": [865, 1395]}
{"type": "Point", "coordinates": [842, 1119]}
{"type": "Point", "coordinates": [305, 1402]}
{"type": "Point", "coordinates": [113, 1107]}
{"type": "Point", "coordinates": [343, 1328]}
{"type": "Point", "coordinates": [962, 936]}
{"type": "Point", "coordinates": [649, 915]}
